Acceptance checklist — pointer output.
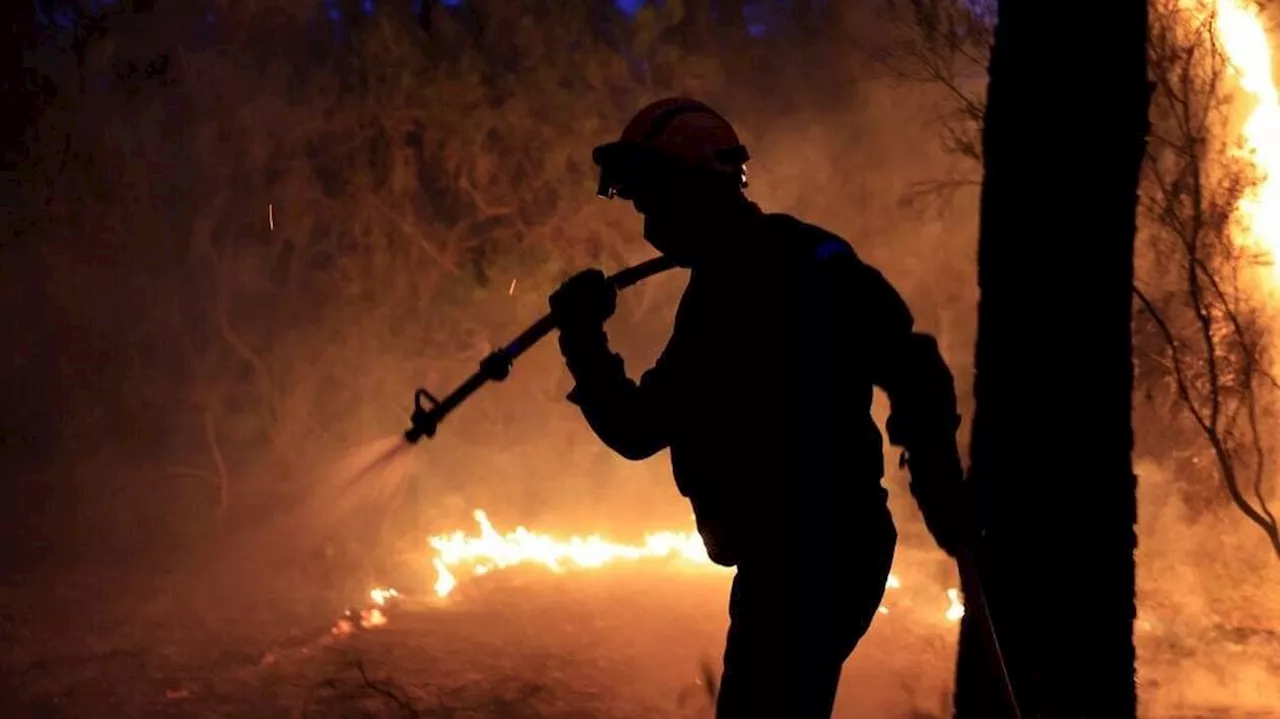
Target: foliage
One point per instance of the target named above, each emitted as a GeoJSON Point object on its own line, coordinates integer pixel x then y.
{"type": "Point", "coordinates": [320, 220]}
{"type": "Point", "coordinates": [947, 44]}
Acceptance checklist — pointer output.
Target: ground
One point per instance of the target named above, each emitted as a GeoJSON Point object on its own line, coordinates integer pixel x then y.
{"type": "Point", "coordinates": [515, 644]}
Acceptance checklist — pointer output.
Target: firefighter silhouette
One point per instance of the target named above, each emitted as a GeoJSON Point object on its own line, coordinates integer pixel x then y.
{"type": "Point", "coordinates": [763, 397]}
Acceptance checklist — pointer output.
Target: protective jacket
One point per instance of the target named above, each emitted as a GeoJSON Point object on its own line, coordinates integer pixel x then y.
{"type": "Point", "coordinates": [763, 393]}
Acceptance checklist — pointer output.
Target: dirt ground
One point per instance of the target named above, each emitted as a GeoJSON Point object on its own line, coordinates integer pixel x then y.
{"type": "Point", "coordinates": [520, 643]}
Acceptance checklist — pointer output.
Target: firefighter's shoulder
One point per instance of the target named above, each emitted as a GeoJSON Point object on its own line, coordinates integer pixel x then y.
{"type": "Point", "coordinates": [833, 246]}
{"type": "Point", "coordinates": [814, 242]}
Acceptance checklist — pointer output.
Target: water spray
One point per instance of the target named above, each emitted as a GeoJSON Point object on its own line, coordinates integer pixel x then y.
{"type": "Point", "coordinates": [428, 411]}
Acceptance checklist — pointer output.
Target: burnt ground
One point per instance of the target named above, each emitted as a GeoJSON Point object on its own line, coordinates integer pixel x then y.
{"type": "Point", "coordinates": [521, 643]}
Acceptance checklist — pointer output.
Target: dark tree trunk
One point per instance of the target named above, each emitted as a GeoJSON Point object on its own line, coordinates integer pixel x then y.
{"type": "Point", "coordinates": [1052, 435]}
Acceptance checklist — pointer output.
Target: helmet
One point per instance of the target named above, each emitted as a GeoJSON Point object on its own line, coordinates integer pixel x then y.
{"type": "Point", "coordinates": [677, 134]}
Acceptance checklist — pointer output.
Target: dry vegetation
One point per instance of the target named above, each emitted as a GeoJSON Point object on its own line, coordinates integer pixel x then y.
{"type": "Point", "coordinates": [243, 240]}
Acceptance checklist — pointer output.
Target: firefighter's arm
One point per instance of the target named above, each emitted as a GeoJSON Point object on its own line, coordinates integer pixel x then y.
{"type": "Point", "coordinates": [908, 366]}
{"type": "Point", "coordinates": [626, 415]}
{"type": "Point", "coordinates": [923, 417]}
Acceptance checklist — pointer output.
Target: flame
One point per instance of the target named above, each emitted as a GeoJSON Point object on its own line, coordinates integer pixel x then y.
{"type": "Point", "coordinates": [1240, 32]}
{"type": "Point", "coordinates": [445, 581]}
{"type": "Point", "coordinates": [956, 611]}
{"type": "Point", "coordinates": [354, 619]}
{"type": "Point", "coordinates": [369, 617]}
{"type": "Point", "coordinates": [492, 550]}
{"type": "Point", "coordinates": [1244, 39]}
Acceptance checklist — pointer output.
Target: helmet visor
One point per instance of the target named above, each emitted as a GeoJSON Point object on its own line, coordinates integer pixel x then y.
{"type": "Point", "coordinates": [625, 167]}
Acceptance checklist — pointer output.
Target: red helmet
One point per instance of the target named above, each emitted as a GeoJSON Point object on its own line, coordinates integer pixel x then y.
{"type": "Point", "coordinates": [677, 134]}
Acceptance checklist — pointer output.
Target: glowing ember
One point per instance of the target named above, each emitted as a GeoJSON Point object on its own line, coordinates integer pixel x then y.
{"type": "Point", "coordinates": [359, 619]}
{"type": "Point", "coordinates": [491, 550]}
{"type": "Point", "coordinates": [369, 617]}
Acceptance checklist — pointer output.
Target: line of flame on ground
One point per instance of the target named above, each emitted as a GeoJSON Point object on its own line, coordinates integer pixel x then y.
{"type": "Point", "coordinates": [491, 550]}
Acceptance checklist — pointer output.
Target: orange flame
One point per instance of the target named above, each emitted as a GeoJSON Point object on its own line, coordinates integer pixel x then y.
{"type": "Point", "coordinates": [1244, 39]}
{"type": "Point", "coordinates": [955, 612]}
{"type": "Point", "coordinates": [491, 550]}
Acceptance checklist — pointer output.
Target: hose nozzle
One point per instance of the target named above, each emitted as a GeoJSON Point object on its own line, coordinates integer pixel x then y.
{"type": "Point", "coordinates": [428, 411]}
{"type": "Point", "coordinates": [423, 421]}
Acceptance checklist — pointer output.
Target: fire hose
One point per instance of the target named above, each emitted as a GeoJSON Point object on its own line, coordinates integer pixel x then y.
{"type": "Point", "coordinates": [975, 601]}
{"type": "Point", "coordinates": [428, 411]}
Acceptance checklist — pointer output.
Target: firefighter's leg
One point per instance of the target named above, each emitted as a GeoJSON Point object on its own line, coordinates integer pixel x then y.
{"type": "Point", "coordinates": [768, 674]}
{"type": "Point", "coordinates": [791, 629]}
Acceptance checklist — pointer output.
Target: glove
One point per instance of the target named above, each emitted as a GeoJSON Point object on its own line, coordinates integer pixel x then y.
{"type": "Point", "coordinates": [584, 302]}
{"type": "Point", "coordinates": [937, 483]}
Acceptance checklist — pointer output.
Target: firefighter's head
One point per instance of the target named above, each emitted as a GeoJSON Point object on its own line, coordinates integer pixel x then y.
{"type": "Point", "coordinates": [682, 166]}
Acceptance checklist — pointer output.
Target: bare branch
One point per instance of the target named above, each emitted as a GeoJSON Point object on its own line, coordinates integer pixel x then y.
{"type": "Point", "coordinates": [444, 259]}
{"type": "Point", "coordinates": [215, 451]}
{"type": "Point", "coordinates": [1179, 374]}
{"type": "Point", "coordinates": [383, 690]}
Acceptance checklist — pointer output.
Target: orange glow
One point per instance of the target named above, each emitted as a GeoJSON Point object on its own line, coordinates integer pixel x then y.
{"type": "Point", "coordinates": [489, 550]}
{"type": "Point", "coordinates": [1241, 34]}
{"type": "Point", "coordinates": [1244, 39]}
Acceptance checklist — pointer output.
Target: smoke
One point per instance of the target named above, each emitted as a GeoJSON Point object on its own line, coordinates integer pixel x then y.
{"type": "Point", "coordinates": [178, 338]}
{"type": "Point", "coordinates": [361, 488]}
{"type": "Point", "coordinates": [238, 270]}
{"type": "Point", "coordinates": [1206, 622]}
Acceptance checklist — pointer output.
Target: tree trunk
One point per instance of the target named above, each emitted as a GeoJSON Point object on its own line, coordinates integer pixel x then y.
{"type": "Point", "coordinates": [1052, 435]}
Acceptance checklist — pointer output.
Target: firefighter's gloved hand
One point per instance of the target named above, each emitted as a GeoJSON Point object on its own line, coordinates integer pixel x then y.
{"type": "Point", "coordinates": [584, 302]}
{"type": "Point", "coordinates": [937, 483]}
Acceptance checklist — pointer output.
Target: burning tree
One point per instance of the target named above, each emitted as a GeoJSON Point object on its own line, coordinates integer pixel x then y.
{"type": "Point", "coordinates": [1203, 324]}
{"type": "Point", "coordinates": [1207, 272]}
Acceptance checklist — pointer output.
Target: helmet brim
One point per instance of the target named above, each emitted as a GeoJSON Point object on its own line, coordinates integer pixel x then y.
{"type": "Point", "coordinates": [625, 166]}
